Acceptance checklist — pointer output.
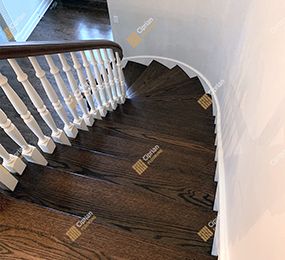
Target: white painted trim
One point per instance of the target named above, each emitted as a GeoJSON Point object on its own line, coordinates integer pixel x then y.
{"type": "Point", "coordinates": [216, 245]}
{"type": "Point", "coordinates": [217, 199]}
{"type": "Point", "coordinates": [222, 235]}
{"type": "Point", "coordinates": [216, 179]}
{"type": "Point", "coordinates": [24, 34]}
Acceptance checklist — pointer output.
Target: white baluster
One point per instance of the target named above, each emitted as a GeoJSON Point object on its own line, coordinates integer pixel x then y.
{"type": "Point", "coordinates": [68, 98]}
{"type": "Point", "coordinates": [57, 134]}
{"type": "Point", "coordinates": [88, 117]}
{"type": "Point", "coordinates": [107, 63]}
{"type": "Point", "coordinates": [29, 152]}
{"type": "Point", "coordinates": [91, 80]}
{"type": "Point", "coordinates": [69, 128]}
{"type": "Point", "coordinates": [7, 180]}
{"type": "Point", "coordinates": [45, 143]}
{"type": "Point", "coordinates": [84, 84]}
{"type": "Point", "coordinates": [121, 77]}
{"type": "Point", "coordinates": [106, 82]}
{"type": "Point", "coordinates": [102, 99]}
{"type": "Point", "coordinates": [116, 77]}
{"type": "Point", "coordinates": [11, 162]}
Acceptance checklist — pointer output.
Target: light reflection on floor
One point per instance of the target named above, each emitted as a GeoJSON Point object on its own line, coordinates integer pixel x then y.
{"type": "Point", "coordinates": [70, 22]}
{"type": "Point", "coordinates": [96, 32]}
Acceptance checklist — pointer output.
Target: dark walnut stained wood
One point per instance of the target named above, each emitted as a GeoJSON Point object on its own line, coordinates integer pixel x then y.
{"type": "Point", "coordinates": [28, 231]}
{"type": "Point", "coordinates": [132, 71]}
{"type": "Point", "coordinates": [26, 49]}
{"type": "Point", "coordinates": [151, 73]}
{"type": "Point", "coordinates": [122, 207]}
{"type": "Point", "coordinates": [156, 215]}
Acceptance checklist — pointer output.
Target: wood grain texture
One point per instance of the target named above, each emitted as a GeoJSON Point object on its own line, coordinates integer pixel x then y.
{"type": "Point", "coordinates": [29, 232]}
{"type": "Point", "coordinates": [132, 71]}
{"type": "Point", "coordinates": [151, 73]}
{"type": "Point", "coordinates": [132, 209]}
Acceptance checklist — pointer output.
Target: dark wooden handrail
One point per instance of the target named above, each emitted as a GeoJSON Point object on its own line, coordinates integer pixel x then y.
{"type": "Point", "coordinates": [25, 49]}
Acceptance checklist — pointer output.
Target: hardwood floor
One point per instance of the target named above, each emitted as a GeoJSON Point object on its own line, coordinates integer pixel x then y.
{"type": "Point", "coordinates": [154, 215]}
{"type": "Point", "coordinates": [74, 20]}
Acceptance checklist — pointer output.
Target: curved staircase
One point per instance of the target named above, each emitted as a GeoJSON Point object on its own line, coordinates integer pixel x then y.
{"type": "Point", "coordinates": [146, 171]}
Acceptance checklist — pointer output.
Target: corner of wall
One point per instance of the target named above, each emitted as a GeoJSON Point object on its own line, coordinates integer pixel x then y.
{"type": "Point", "coordinates": [24, 34]}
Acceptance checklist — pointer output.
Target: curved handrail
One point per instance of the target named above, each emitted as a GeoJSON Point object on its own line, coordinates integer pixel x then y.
{"type": "Point", "coordinates": [35, 48]}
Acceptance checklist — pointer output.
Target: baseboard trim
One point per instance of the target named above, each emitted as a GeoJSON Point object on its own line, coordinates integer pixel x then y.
{"type": "Point", "coordinates": [27, 30]}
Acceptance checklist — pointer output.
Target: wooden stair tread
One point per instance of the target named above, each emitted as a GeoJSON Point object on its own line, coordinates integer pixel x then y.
{"type": "Point", "coordinates": [132, 71]}
{"type": "Point", "coordinates": [154, 70]}
{"type": "Point", "coordinates": [149, 216]}
{"type": "Point", "coordinates": [133, 141]}
{"type": "Point", "coordinates": [170, 175]}
{"type": "Point", "coordinates": [172, 79]}
{"type": "Point", "coordinates": [175, 109]}
{"type": "Point", "coordinates": [28, 230]}
{"type": "Point", "coordinates": [194, 89]}
{"type": "Point", "coordinates": [169, 119]}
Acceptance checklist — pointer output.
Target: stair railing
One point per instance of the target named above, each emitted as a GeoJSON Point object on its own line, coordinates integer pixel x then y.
{"type": "Point", "coordinates": [99, 87]}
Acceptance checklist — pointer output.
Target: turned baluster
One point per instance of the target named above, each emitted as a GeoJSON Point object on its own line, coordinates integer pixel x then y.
{"type": "Point", "coordinates": [116, 76]}
{"type": "Point", "coordinates": [92, 82]}
{"type": "Point", "coordinates": [57, 134]}
{"type": "Point", "coordinates": [111, 105]}
{"type": "Point", "coordinates": [68, 98]}
{"type": "Point", "coordinates": [11, 162]}
{"type": "Point", "coordinates": [88, 117]}
{"type": "Point", "coordinates": [45, 143]}
{"type": "Point", "coordinates": [83, 83]}
{"type": "Point", "coordinates": [121, 76]}
{"type": "Point", "coordinates": [29, 152]}
{"type": "Point", "coordinates": [69, 128]}
{"type": "Point", "coordinates": [107, 63]}
{"type": "Point", "coordinates": [102, 99]}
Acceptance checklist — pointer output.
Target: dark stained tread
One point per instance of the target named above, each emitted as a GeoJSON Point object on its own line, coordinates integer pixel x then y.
{"type": "Point", "coordinates": [154, 70]}
{"type": "Point", "coordinates": [132, 71]}
{"type": "Point", "coordinates": [142, 213]}
{"type": "Point", "coordinates": [174, 79]}
{"type": "Point", "coordinates": [28, 231]}
{"type": "Point", "coordinates": [178, 120]}
{"type": "Point", "coordinates": [184, 183]}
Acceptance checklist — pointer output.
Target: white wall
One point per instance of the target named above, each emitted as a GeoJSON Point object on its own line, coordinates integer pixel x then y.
{"type": "Point", "coordinates": [23, 16]}
{"type": "Point", "coordinates": [243, 43]}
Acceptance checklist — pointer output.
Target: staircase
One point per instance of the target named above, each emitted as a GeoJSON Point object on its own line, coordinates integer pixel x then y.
{"type": "Point", "coordinates": [138, 183]}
